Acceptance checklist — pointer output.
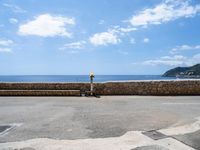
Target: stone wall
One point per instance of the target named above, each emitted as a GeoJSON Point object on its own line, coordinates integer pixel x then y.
{"type": "Point", "coordinates": [175, 87]}
{"type": "Point", "coordinates": [44, 86]}
{"type": "Point", "coordinates": [189, 87]}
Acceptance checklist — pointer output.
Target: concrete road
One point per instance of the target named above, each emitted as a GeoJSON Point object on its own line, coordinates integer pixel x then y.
{"type": "Point", "coordinates": [79, 118]}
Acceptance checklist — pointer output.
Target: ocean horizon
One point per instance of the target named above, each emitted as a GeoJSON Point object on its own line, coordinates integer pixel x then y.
{"type": "Point", "coordinates": [79, 78]}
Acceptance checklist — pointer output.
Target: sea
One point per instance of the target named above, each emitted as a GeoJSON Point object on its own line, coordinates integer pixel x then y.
{"type": "Point", "coordinates": [80, 78]}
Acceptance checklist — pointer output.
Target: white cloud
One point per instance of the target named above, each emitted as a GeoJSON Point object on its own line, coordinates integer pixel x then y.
{"type": "Point", "coordinates": [177, 60]}
{"type": "Point", "coordinates": [123, 52]}
{"type": "Point", "coordinates": [167, 60]}
{"type": "Point", "coordinates": [195, 59]}
{"type": "Point", "coordinates": [47, 25]}
{"type": "Point", "coordinates": [14, 8]}
{"type": "Point", "coordinates": [104, 38]}
{"type": "Point", "coordinates": [132, 41]}
{"type": "Point", "coordinates": [73, 52]}
{"type": "Point", "coordinates": [126, 30]}
{"type": "Point", "coordinates": [13, 20]}
{"type": "Point", "coordinates": [184, 48]}
{"type": "Point", "coordinates": [6, 42]}
{"type": "Point", "coordinates": [165, 12]}
{"type": "Point", "coordinates": [146, 40]}
{"type": "Point", "coordinates": [122, 30]}
{"type": "Point", "coordinates": [74, 45]}
{"type": "Point", "coordinates": [5, 45]}
{"type": "Point", "coordinates": [102, 22]}
{"type": "Point", "coordinates": [112, 36]}
{"type": "Point", "coordinates": [5, 50]}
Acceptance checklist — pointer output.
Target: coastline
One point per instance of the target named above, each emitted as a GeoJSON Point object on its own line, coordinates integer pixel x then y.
{"type": "Point", "coordinates": [78, 78]}
{"type": "Point", "coordinates": [111, 81]}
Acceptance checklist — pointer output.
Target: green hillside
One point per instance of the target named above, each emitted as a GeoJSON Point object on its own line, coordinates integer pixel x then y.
{"type": "Point", "coordinates": [193, 71]}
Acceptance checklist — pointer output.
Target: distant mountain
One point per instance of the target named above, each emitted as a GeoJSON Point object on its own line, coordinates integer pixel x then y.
{"type": "Point", "coordinates": [185, 72]}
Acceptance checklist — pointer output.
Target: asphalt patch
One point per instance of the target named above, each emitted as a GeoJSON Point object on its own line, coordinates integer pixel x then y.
{"type": "Point", "coordinates": [4, 128]}
{"type": "Point", "coordinates": [155, 135]}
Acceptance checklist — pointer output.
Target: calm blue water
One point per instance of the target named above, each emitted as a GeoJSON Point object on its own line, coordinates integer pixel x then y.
{"type": "Point", "coordinates": [79, 78]}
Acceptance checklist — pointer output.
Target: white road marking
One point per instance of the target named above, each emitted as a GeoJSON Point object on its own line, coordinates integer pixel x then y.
{"type": "Point", "coordinates": [128, 141]}
{"type": "Point", "coordinates": [173, 144]}
{"type": "Point", "coordinates": [181, 103]}
{"type": "Point", "coordinates": [188, 128]}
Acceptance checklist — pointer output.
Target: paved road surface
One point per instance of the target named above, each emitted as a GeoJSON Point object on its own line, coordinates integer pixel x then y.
{"type": "Point", "coordinates": [61, 121]}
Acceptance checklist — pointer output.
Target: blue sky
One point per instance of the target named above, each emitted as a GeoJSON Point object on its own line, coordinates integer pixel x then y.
{"type": "Point", "coordinates": [69, 37]}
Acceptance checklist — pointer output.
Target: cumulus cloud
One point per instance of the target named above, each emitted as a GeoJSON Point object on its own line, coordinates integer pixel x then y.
{"type": "Point", "coordinates": [74, 45]}
{"type": "Point", "coordinates": [5, 49]}
{"type": "Point", "coordinates": [5, 42]}
{"type": "Point", "coordinates": [14, 8]}
{"type": "Point", "coordinates": [5, 45]}
{"type": "Point", "coordinates": [112, 36]}
{"type": "Point", "coordinates": [146, 40]}
{"type": "Point", "coordinates": [167, 11]}
{"type": "Point", "coordinates": [104, 38]}
{"type": "Point", "coordinates": [132, 41]}
{"type": "Point", "coordinates": [181, 48]}
{"type": "Point", "coordinates": [13, 20]}
{"type": "Point", "coordinates": [177, 60]}
{"type": "Point", "coordinates": [47, 25]}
